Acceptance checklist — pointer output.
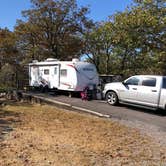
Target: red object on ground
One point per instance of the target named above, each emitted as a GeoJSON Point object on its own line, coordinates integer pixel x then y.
{"type": "Point", "coordinates": [84, 95]}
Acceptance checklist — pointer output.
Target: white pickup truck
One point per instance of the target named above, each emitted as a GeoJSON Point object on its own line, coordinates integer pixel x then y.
{"type": "Point", "coordinates": [140, 90]}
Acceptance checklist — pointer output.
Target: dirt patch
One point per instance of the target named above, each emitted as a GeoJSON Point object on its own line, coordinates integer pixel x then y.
{"type": "Point", "coordinates": [44, 135]}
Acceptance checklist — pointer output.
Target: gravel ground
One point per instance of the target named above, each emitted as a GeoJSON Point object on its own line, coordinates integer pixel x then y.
{"type": "Point", "coordinates": [159, 136]}
{"type": "Point", "coordinates": [44, 135]}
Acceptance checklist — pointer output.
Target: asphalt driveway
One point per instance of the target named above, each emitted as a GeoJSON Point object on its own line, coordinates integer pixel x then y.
{"type": "Point", "coordinates": [156, 118]}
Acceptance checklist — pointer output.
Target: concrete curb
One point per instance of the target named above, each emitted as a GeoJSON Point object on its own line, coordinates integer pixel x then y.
{"type": "Point", "coordinates": [62, 104]}
{"type": "Point", "coordinates": [90, 111]}
{"type": "Point", "coordinates": [53, 101]}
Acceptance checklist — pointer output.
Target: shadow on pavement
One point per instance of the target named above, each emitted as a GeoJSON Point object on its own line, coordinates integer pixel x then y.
{"type": "Point", "coordinates": [158, 112]}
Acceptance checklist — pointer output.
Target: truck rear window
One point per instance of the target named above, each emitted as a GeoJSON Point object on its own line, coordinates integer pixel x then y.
{"type": "Point", "coordinates": [149, 82]}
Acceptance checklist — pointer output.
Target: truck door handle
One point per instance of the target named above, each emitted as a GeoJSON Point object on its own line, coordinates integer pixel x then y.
{"type": "Point", "coordinates": [154, 90]}
{"type": "Point", "coordinates": [134, 88]}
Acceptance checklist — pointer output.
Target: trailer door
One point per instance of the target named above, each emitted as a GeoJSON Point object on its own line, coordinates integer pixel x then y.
{"type": "Point", "coordinates": [34, 75]}
{"type": "Point", "coordinates": [55, 76]}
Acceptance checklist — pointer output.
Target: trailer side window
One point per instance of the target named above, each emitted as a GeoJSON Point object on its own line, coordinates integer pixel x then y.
{"type": "Point", "coordinates": [55, 70]}
{"type": "Point", "coordinates": [46, 71]}
{"type": "Point", "coordinates": [63, 72]}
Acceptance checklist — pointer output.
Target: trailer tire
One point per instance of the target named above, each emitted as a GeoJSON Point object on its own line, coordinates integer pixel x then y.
{"type": "Point", "coordinates": [45, 89]}
{"type": "Point", "coordinates": [41, 88]}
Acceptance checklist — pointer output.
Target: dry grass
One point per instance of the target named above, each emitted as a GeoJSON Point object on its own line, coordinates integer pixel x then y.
{"type": "Point", "coordinates": [44, 135]}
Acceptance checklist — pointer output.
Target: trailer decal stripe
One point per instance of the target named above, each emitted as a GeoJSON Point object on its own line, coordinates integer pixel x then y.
{"type": "Point", "coordinates": [65, 84]}
{"type": "Point", "coordinates": [73, 67]}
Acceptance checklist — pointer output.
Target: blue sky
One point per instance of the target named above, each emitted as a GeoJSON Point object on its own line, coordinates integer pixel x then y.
{"type": "Point", "coordinates": [10, 10]}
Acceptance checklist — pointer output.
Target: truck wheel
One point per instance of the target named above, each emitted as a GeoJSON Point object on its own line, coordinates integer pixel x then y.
{"type": "Point", "coordinates": [112, 98]}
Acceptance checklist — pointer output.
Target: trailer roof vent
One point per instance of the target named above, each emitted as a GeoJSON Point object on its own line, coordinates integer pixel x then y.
{"type": "Point", "coordinates": [51, 59]}
{"type": "Point", "coordinates": [75, 60]}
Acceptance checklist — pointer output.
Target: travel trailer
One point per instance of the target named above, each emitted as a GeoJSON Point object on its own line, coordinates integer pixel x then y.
{"type": "Point", "coordinates": [63, 75]}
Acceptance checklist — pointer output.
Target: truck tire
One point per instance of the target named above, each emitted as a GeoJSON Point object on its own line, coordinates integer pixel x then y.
{"type": "Point", "coordinates": [112, 98]}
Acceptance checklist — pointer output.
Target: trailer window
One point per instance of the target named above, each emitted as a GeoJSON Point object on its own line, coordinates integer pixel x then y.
{"type": "Point", "coordinates": [55, 70]}
{"type": "Point", "coordinates": [46, 71]}
{"type": "Point", "coordinates": [64, 72]}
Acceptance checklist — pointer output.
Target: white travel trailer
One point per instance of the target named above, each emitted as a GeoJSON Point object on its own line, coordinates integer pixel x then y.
{"type": "Point", "coordinates": [63, 75]}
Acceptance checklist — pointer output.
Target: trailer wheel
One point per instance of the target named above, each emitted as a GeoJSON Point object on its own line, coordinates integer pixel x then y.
{"type": "Point", "coordinates": [45, 89]}
{"type": "Point", "coordinates": [41, 88]}
{"type": "Point", "coordinates": [112, 98]}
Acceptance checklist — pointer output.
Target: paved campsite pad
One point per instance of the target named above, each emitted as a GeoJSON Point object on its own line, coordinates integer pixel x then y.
{"type": "Point", "coordinates": [50, 136]}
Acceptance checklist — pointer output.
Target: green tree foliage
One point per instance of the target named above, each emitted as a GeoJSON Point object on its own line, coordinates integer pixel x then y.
{"type": "Point", "coordinates": [7, 76]}
{"type": "Point", "coordinates": [98, 46]}
{"type": "Point", "coordinates": [156, 40]}
{"type": "Point", "coordinates": [142, 33]}
{"type": "Point", "coordinates": [9, 58]}
{"type": "Point", "coordinates": [8, 49]}
{"type": "Point", "coordinates": [134, 40]}
{"type": "Point", "coordinates": [52, 29]}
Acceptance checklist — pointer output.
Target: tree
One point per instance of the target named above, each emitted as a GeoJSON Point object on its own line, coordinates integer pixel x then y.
{"type": "Point", "coordinates": [157, 36]}
{"type": "Point", "coordinates": [131, 42]}
{"type": "Point", "coordinates": [8, 49]}
{"type": "Point", "coordinates": [139, 39]}
{"type": "Point", "coordinates": [98, 46]}
{"type": "Point", "coordinates": [9, 58]}
{"type": "Point", "coordinates": [52, 29]}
